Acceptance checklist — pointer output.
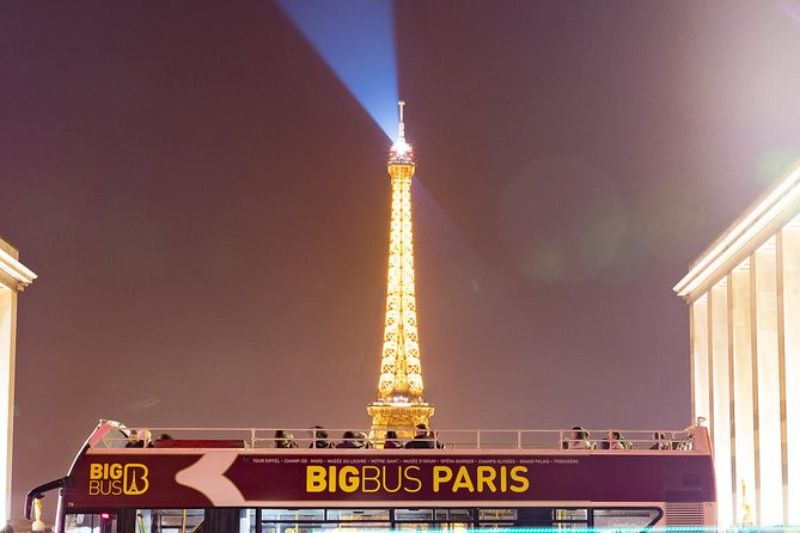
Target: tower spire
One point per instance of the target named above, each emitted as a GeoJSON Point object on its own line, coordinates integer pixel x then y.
{"type": "Point", "coordinates": [400, 404]}
{"type": "Point", "coordinates": [401, 127]}
{"type": "Point", "coordinates": [401, 151]}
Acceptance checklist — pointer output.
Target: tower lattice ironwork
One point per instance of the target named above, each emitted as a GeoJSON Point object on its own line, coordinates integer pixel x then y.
{"type": "Point", "coordinates": [400, 404]}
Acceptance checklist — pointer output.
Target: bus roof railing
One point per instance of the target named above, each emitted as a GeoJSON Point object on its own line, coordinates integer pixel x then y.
{"type": "Point", "coordinates": [109, 434]}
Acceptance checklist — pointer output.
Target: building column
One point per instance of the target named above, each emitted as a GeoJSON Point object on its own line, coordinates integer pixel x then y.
{"type": "Point", "coordinates": [726, 489]}
{"type": "Point", "coordinates": [790, 252]}
{"type": "Point", "coordinates": [700, 374]}
{"type": "Point", "coordinates": [742, 332]}
{"type": "Point", "coordinates": [14, 277]}
{"type": "Point", "coordinates": [8, 319]}
{"type": "Point", "coordinates": [768, 414]}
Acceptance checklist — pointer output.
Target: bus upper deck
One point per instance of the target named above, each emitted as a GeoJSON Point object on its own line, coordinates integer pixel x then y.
{"type": "Point", "coordinates": [110, 434]}
{"type": "Point", "coordinates": [253, 479]}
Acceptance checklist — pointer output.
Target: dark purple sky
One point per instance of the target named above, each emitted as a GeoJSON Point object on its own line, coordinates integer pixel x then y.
{"type": "Point", "coordinates": [207, 208]}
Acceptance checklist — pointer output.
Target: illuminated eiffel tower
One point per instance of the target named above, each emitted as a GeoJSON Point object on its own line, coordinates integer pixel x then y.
{"type": "Point", "coordinates": [400, 405]}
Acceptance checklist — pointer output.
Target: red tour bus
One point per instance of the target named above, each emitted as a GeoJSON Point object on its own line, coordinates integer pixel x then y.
{"type": "Point", "coordinates": [245, 480]}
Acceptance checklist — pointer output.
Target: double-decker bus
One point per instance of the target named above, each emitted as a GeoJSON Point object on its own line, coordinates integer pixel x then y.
{"type": "Point", "coordinates": [250, 481]}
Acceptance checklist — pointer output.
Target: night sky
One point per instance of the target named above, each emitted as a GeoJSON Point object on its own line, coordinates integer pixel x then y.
{"type": "Point", "coordinates": [206, 205]}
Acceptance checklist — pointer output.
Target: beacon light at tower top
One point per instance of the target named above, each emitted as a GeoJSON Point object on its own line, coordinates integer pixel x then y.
{"type": "Point", "coordinates": [401, 152]}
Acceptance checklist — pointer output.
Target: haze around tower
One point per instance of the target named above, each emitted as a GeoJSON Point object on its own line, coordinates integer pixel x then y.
{"type": "Point", "coordinates": [206, 205]}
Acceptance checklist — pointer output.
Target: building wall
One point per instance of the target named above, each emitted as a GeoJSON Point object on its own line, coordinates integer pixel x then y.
{"type": "Point", "coordinates": [8, 305]}
{"type": "Point", "coordinates": [14, 277]}
{"type": "Point", "coordinates": [746, 381]}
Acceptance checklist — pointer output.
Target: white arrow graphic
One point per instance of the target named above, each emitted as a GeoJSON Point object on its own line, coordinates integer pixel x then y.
{"type": "Point", "coordinates": [207, 476]}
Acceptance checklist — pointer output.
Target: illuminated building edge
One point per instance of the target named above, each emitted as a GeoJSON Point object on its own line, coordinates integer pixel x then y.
{"type": "Point", "coordinates": [14, 277]}
{"type": "Point", "coordinates": [743, 293]}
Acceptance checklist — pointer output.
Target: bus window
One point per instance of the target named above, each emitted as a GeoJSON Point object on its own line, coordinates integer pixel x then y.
{"type": "Point", "coordinates": [168, 520]}
{"type": "Point", "coordinates": [413, 515]}
{"type": "Point", "coordinates": [282, 527]}
{"type": "Point", "coordinates": [454, 515]}
{"type": "Point", "coordinates": [572, 514]}
{"type": "Point", "coordinates": [497, 515]}
{"type": "Point", "coordinates": [456, 520]}
{"type": "Point", "coordinates": [625, 518]}
{"type": "Point", "coordinates": [293, 515]}
{"type": "Point", "coordinates": [90, 523]}
{"type": "Point", "coordinates": [418, 526]}
{"type": "Point", "coordinates": [360, 515]}
{"type": "Point", "coordinates": [291, 520]}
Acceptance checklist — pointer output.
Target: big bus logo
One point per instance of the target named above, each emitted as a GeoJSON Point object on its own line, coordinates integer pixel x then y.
{"type": "Point", "coordinates": [115, 479]}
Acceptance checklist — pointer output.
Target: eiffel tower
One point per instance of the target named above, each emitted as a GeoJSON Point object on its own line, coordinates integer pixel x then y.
{"type": "Point", "coordinates": [400, 405]}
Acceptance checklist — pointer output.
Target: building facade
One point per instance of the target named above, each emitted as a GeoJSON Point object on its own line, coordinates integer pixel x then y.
{"type": "Point", "coordinates": [744, 303]}
{"type": "Point", "coordinates": [14, 277]}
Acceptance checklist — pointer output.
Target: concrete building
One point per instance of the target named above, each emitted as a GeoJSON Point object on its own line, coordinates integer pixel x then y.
{"type": "Point", "coordinates": [14, 277]}
{"type": "Point", "coordinates": [744, 303]}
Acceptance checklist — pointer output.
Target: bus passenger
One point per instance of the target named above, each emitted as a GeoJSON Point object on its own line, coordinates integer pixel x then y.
{"type": "Point", "coordinates": [349, 441]}
{"type": "Point", "coordinates": [320, 438]}
{"type": "Point", "coordinates": [134, 440]}
{"type": "Point", "coordinates": [363, 440]}
{"type": "Point", "coordinates": [661, 442]}
{"type": "Point", "coordinates": [615, 441]}
{"type": "Point", "coordinates": [391, 442]}
{"type": "Point", "coordinates": [579, 440]}
{"type": "Point", "coordinates": [159, 442]}
{"type": "Point", "coordinates": [284, 439]}
{"type": "Point", "coordinates": [437, 443]}
{"type": "Point", "coordinates": [687, 444]}
{"type": "Point", "coordinates": [422, 438]}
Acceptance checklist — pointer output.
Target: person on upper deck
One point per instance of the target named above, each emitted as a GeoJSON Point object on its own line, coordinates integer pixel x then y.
{"type": "Point", "coordinates": [320, 438]}
{"type": "Point", "coordinates": [284, 439]}
{"type": "Point", "coordinates": [661, 442]}
{"type": "Point", "coordinates": [391, 442]}
{"type": "Point", "coordinates": [578, 440]}
{"type": "Point", "coordinates": [363, 440]}
{"type": "Point", "coordinates": [134, 440]}
{"type": "Point", "coordinates": [349, 441]}
{"type": "Point", "coordinates": [161, 441]}
{"type": "Point", "coordinates": [422, 438]}
{"type": "Point", "coordinates": [686, 444]}
{"type": "Point", "coordinates": [439, 445]}
{"type": "Point", "coordinates": [615, 441]}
